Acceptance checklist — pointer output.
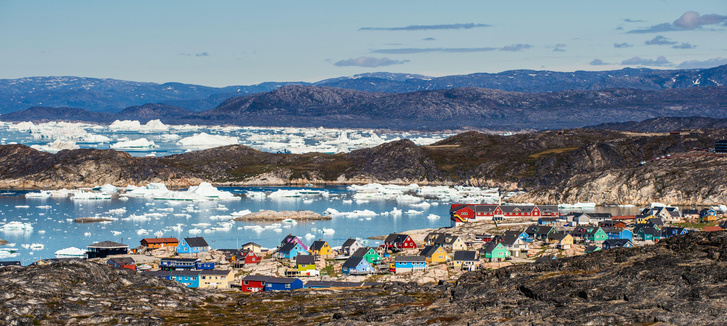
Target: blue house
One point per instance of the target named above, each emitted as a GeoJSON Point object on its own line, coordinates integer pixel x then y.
{"type": "Point", "coordinates": [192, 246]}
{"type": "Point", "coordinates": [410, 263]}
{"type": "Point", "coordinates": [291, 250]}
{"type": "Point", "coordinates": [188, 278]}
{"type": "Point", "coordinates": [204, 265]}
{"type": "Point", "coordinates": [357, 265]}
{"type": "Point", "coordinates": [617, 243]}
{"type": "Point", "coordinates": [547, 220]}
{"type": "Point", "coordinates": [172, 264]}
{"type": "Point", "coordinates": [618, 233]}
{"type": "Point", "coordinates": [669, 232]}
{"type": "Point", "coordinates": [283, 284]}
{"type": "Point", "coordinates": [520, 234]}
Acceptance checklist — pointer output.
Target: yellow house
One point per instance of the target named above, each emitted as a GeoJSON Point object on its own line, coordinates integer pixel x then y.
{"type": "Point", "coordinates": [216, 279]}
{"type": "Point", "coordinates": [434, 254]}
{"type": "Point", "coordinates": [320, 248]}
{"type": "Point", "coordinates": [256, 248]}
{"type": "Point", "coordinates": [561, 240]}
{"type": "Point", "coordinates": [643, 219]}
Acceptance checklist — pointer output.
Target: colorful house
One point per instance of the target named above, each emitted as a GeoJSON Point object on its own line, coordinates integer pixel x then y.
{"type": "Point", "coordinates": [290, 250]}
{"type": "Point", "coordinates": [306, 265]}
{"type": "Point", "coordinates": [669, 232]}
{"type": "Point", "coordinates": [465, 259]}
{"type": "Point", "coordinates": [154, 243]}
{"type": "Point", "coordinates": [194, 245]}
{"type": "Point", "coordinates": [434, 254]}
{"type": "Point", "coordinates": [538, 232]}
{"type": "Point", "coordinates": [369, 254]}
{"type": "Point", "coordinates": [320, 248]}
{"type": "Point", "coordinates": [254, 283]}
{"type": "Point", "coordinates": [520, 234]}
{"type": "Point", "coordinates": [106, 248]}
{"type": "Point", "coordinates": [462, 213]}
{"type": "Point", "coordinates": [248, 256]}
{"type": "Point", "coordinates": [612, 224]}
{"type": "Point", "coordinates": [648, 233]}
{"type": "Point", "coordinates": [449, 242]}
{"type": "Point", "coordinates": [173, 264]}
{"type": "Point", "coordinates": [404, 264]}
{"type": "Point", "coordinates": [399, 241]}
{"type": "Point", "coordinates": [122, 262]}
{"type": "Point", "coordinates": [189, 278]}
{"type": "Point", "coordinates": [561, 240]}
{"type": "Point", "coordinates": [283, 284]}
{"type": "Point", "coordinates": [254, 247]}
{"type": "Point", "coordinates": [216, 279]}
{"type": "Point", "coordinates": [617, 243]}
{"type": "Point", "coordinates": [618, 233]}
{"type": "Point", "coordinates": [350, 246]}
{"type": "Point", "coordinates": [291, 238]}
{"type": "Point", "coordinates": [356, 266]}
{"type": "Point", "coordinates": [707, 215]}
{"type": "Point", "coordinates": [495, 252]}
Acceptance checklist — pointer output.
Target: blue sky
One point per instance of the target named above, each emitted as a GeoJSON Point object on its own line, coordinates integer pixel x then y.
{"type": "Point", "coordinates": [220, 43]}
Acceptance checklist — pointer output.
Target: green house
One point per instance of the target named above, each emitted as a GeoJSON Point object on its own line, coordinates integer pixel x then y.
{"type": "Point", "coordinates": [369, 254]}
{"type": "Point", "coordinates": [597, 235]}
{"type": "Point", "coordinates": [495, 252]}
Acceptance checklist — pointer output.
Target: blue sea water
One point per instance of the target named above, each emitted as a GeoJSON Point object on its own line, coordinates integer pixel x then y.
{"type": "Point", "coordinates": [53, 226]}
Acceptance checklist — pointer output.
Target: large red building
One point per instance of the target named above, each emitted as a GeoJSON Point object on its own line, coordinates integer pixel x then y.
{"type": "Point", "coordinates": [462, 213]}
{"type": "Point", "coordinates": [254, 283]}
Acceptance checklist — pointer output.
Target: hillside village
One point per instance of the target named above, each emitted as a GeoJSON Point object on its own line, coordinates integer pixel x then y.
{"type": "Point", "coordinates": [483, 236]}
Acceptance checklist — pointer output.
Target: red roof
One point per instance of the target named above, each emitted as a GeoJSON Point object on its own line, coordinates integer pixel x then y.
{"type": "Point", "coordinates": [712, 228]}
{"type": "Point", "coordinates": [160, 240]}
{"type": "Point", "coordinates": [624, 217]}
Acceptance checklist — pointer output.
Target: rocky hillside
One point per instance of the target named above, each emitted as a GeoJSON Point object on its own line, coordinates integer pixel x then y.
{"type": "Point", "coordinates": [665, 124]}
{"type": "Point", "coordinates": [75, 292]}
{"type": "Point", "coordinates": [606, 167]}
{"type": "Point", "coordinates": [679, 281]}
{"type": "Point", "coordinates": [458, 108]}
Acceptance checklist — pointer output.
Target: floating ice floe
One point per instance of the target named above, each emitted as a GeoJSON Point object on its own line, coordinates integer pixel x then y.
{"type": "Point", "coordinates": [56, 146]}
{"type": "Point", "coordinates": [41, 194]}
{"type": "Point", "coordinates": [70, 252]}
{"type": "Point", "coordinates": [204, 141]}
{"type": "Point", "coordinates": [88, 195]}
{"type": "Point", "coordinates": [125, 125]}
{"type": "Point", "coordinates": [16, 226]}
{"type": "Point", "coordinates": [309, 236]}
{"type": "Point", "coordinates": [137, 144]}
{"type": "Point", "coordinates": [433, 217]}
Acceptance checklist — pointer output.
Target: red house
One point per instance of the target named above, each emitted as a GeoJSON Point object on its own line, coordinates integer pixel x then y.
{"type": "Point", "coordinates": [249, 257]}
{"type": "Point", "coordinates": [254, 283]}
{"type": "Point", "coordinates": [399, 241]}
{"type": "Point", "coordinates": [122, 262]}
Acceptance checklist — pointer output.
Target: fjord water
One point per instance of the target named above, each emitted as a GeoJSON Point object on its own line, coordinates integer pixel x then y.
{"type": "Point", "coordinates": [53, 226]}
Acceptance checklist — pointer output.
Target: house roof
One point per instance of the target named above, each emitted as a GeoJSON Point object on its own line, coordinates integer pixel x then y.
{"type": "Point", "coordinates": [712, 228]}
{"type": "Point", "coordinates": [623, 217]}
{"type": "Point", "coordinates": [184, 273]}
{"type": "Point", "coordinates": [305, 259]}
{"type": "Point", "coordinates": [396, 238]}
{"type": "Point", "coordinates": [352, 261]}
{"type": "Point", "coordinates": [196, 242]}
{"type": "Point", "coordinates": [616, 242]}
{"type": "Point", "coordinates": [317, 245]}
{"type": "Point", "coordinates": [465, 255]}
{"type": "Point", "coordinates": [160, 240]}
{"type": "Point", "coordinates": [592, 248]}
{"type": "Point", "coordinates": [288, 247]}
{"type": "Point", "coordinates": [349, 243]}
{"type": "Point", "coordinates": [215, 272]}
{"type": "Point", "coordinates": [656, 221]}
{"type": "Point", "coordinates": [360, 252]}
{"type": "Point", "coordinates": [257, 278]}
{"type": "Point", "coordinates": [557, 236]}
{"type": "Point", "coordinates": [283, 280]}
{"type": "Point", "coordinates": [428, 251]}
{"type": "Point", "coordinates": [489, 247]}
{"type": "Point", "coordinates": [288, 238]}
{"type": "Point", "coordinates": [108, 245]}
{"type": "Point", "coordinates": [181, 259]}
{"type": "Point", "coordinates": [405, 259]}
{"type": "Point", "coordinates": [513, 233]}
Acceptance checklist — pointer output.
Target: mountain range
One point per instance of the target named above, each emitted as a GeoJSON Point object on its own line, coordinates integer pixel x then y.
{"type": "Point", "coordinates": [446, 109]}
{"type": "Point", "coordinates": [112, 96]}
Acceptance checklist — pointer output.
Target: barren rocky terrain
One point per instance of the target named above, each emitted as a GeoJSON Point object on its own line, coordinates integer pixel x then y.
{"type": "Point", "coordinates": [679, 281]}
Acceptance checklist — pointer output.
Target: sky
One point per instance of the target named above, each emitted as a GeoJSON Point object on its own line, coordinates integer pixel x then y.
{"type": "Point", "coordinates": [222, 43]}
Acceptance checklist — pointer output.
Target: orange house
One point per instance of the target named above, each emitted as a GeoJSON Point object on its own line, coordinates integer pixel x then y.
{"type": "Point", "coordinates": [154, 243]}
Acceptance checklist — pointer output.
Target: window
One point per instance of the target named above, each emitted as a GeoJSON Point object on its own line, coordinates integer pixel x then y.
{"type": "Point", "coordinates": [245, 282]}
{"type": "Point", "coordinates": [287, 286]}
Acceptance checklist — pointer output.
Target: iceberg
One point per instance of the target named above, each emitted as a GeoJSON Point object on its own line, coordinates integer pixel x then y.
{"type": "Point", "coordinates": [204, 141]}
{"type": "Point", "coordinates": [125, 125]}
{"type": "Point", "coordinates": [137, 144]}
{"type": "Point", "coordinates": [70, 252]}
{"type": "Point", "coordinates": [56, 146]}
